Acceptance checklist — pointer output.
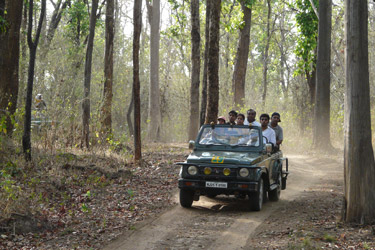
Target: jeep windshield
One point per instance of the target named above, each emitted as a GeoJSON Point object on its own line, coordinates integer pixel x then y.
{"type": "Point", "coordinates": [229, 136]}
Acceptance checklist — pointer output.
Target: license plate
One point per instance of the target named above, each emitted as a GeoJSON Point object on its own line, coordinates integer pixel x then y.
{"type": "Point", "coordinates": [216, 184]}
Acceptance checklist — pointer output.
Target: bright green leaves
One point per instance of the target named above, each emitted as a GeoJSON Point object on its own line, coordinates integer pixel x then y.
{"type": "Point", "coordinates": [180, 27]}
{"type": "Point", "coordinates": [232, 17]}
{"type": "Point", "coordinates": [307, 23]}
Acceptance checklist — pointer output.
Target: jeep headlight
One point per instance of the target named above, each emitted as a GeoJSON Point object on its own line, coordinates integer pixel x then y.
{"type": "Point", "coordinates": [226, 171]}
{"type": "Point", "coordinates": [192, 170]}
{"type": "Point", "coordinates": [244, 172]}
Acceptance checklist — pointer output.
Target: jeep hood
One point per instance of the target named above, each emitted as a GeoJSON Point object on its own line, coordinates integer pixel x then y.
{"type": "Point", "coordinates": [221, 157]}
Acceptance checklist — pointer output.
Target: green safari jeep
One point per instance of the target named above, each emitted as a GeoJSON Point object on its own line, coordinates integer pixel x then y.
{"type": "Point", "coordinates": [232, 160]}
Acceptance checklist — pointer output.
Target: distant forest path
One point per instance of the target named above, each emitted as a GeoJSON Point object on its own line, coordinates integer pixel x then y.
{"type": "Point", "coordinates": [225, 222]}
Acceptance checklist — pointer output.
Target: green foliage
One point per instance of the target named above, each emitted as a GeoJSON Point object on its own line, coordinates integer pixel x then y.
{"type": "Point", "coordinates": [307, 23]}
{"type": "Point", "coordinates": [232, 17]}
{"type": "Point", "coordinates": [79, 21]}
{"type": "Point", "coordinates": [10, 191]}
{"type": "Point", "coordinates": [3, 23]}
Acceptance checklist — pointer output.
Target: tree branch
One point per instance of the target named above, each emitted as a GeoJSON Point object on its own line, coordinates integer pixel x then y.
{"type": "Point", "coordinates": [314, 8]}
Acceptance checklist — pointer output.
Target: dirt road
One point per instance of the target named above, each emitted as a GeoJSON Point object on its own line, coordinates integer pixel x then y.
{"type": "Point", "coordinates": [225, 223]}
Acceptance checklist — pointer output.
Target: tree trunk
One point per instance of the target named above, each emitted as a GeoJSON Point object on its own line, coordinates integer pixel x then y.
{"type": "Point", "coordinates": [87, 82]}
{"type": "Point", "coordinates": [205, 66]}
{"type": "Point", "coordinates": [359, 165]}
{"type": "Point", "coordinates": [154, 91]}
{"type": "Point", "coordinates": [128, 115]}
{"type": "Point", "coordinates": [283, 61]}
{"type": "Point", "coordinates": [137, 16]}
{"type": "Point", "coordinates": [265, 55]}
{"type": "Point", "coordinates": [55, 20]}
{"type": "Point", "coordinates": [195, 72]}
{"type": "Point", "coordinates": [322, 94]}
{"type": "Point", "coordinates": [11, 12]}
{"type": "Point", "coordinates": [239, 74]}
{"type": "Point", "coordinates": [26, 141]}
{"type": "Point", "coordinates": [106, 114]}
{"type": "Point", "coordinates": [213, 64]}
{"type": "Point", "coordinates": [23, 59]}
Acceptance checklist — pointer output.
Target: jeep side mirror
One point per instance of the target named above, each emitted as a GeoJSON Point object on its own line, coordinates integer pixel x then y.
{"type": "Point", "coordinates": [269, 148]}
{"type": "Point", "coordinates": [191, 144]}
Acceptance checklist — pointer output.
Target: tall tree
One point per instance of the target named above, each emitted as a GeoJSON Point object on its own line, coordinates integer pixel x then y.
{"type": "Point", "coordinates": [269, 32]}
{"type": "Point", "coordinates": [87, 81]}
{"type": "Point", "coordinates": [213, 63]}
{"type": "Point", "coordinates": [195, 72]}
{"type": "Point", "coordinates": [205, 65]}
{"type": "Point", "coordinates": [154, 92]}
{"type": "Point", "coordinates": [323, 78]}
{"type": "Point", "coordinates": [106, 114]}
{"type": "Point", "coordinates": [239, 74]}
{"type": "Point", "coordinates": [33, 45]}
{"type": "Point", "coordinates": [10, 24]}
{"type": "Point", "coordinates": [137, 19]}
{"type": "Point", "coordinates": [359, 165]}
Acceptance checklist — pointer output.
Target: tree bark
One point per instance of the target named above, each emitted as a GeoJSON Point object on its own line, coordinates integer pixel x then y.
{"type": "Point", "coordinates": [128, 115]}
{"type": "Point", "coordinates": [213, 64]}
{"type": "Point", "coordinates": [106, 114]}
{"type": "Point", "coordinates": [11, 12]}
{"type": "Point", "coordinates": [33, 45]}
{"type": "Point", "coordinates": [154, 91]}
{"type": "Point", "coordinates": [323, 78]}
{"type": "Point", "coordinates": [195, 72]}
{"type": "Point", "coordinates": [205, 65]}
{"type": "Point", "coordinates": [359, 165]}
{"type": "Point", "coordinates": [137, 16]}
{"type": "Point", "coordinates": [87, 81]}
{"type": "Point", "coordinates": [239, 74]}
{"type": "Point", "coordinates": [23, 59]}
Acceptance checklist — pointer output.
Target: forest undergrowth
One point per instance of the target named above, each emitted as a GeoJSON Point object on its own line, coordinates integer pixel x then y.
{"type": "Point", "coordinates": [73, 198]}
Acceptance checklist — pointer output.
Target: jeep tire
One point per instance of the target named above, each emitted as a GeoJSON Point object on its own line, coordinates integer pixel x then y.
{"type": "Point", "coordinates": [256, 198]}
{"type": "Point", "coordinates": [186, 197]}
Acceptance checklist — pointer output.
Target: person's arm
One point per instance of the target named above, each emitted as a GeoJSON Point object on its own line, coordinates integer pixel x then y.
{"type": "Point", "coordinates": [281, 136]}
{"type": "Point", "coordinates": [273, 136]}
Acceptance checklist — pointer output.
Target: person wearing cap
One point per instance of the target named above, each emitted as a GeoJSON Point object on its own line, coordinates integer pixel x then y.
{"type": "Point", "coordinates": [267, 132]}
{"type": "Point", "coordinates": [221, 120]}
{"type": "Point", "coordinates": [251, 114]}
{"type": "Point", "coordinates": [40, 104]}
{"type": "Point", "coordinates": [275, 119]}
{"type": "Point", "coordinates": [232, 117]}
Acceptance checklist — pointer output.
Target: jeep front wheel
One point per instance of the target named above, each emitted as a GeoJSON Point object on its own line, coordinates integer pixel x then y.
{"type": "Point", "coordinates": [256, 198]}
{"type": "Point", "coordinates": [186, 197]}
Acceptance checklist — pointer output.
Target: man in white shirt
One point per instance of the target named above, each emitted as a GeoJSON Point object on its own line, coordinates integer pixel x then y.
{"type": "Point", "coordinates": [251, 114]}
{"type": "Point", "coordinates": [267, 132]}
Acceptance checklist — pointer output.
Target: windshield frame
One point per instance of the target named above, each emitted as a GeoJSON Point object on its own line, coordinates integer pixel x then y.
{"type": "Point", "coordinates": [229, 147]}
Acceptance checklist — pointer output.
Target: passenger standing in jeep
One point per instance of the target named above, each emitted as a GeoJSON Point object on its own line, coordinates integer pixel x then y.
{"type": "Point", "coordinates": [251, 114]}
{"type": "Point", "coordinates": [268, 133]}
{"type": "Point", "coordinates": [275, 119]}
